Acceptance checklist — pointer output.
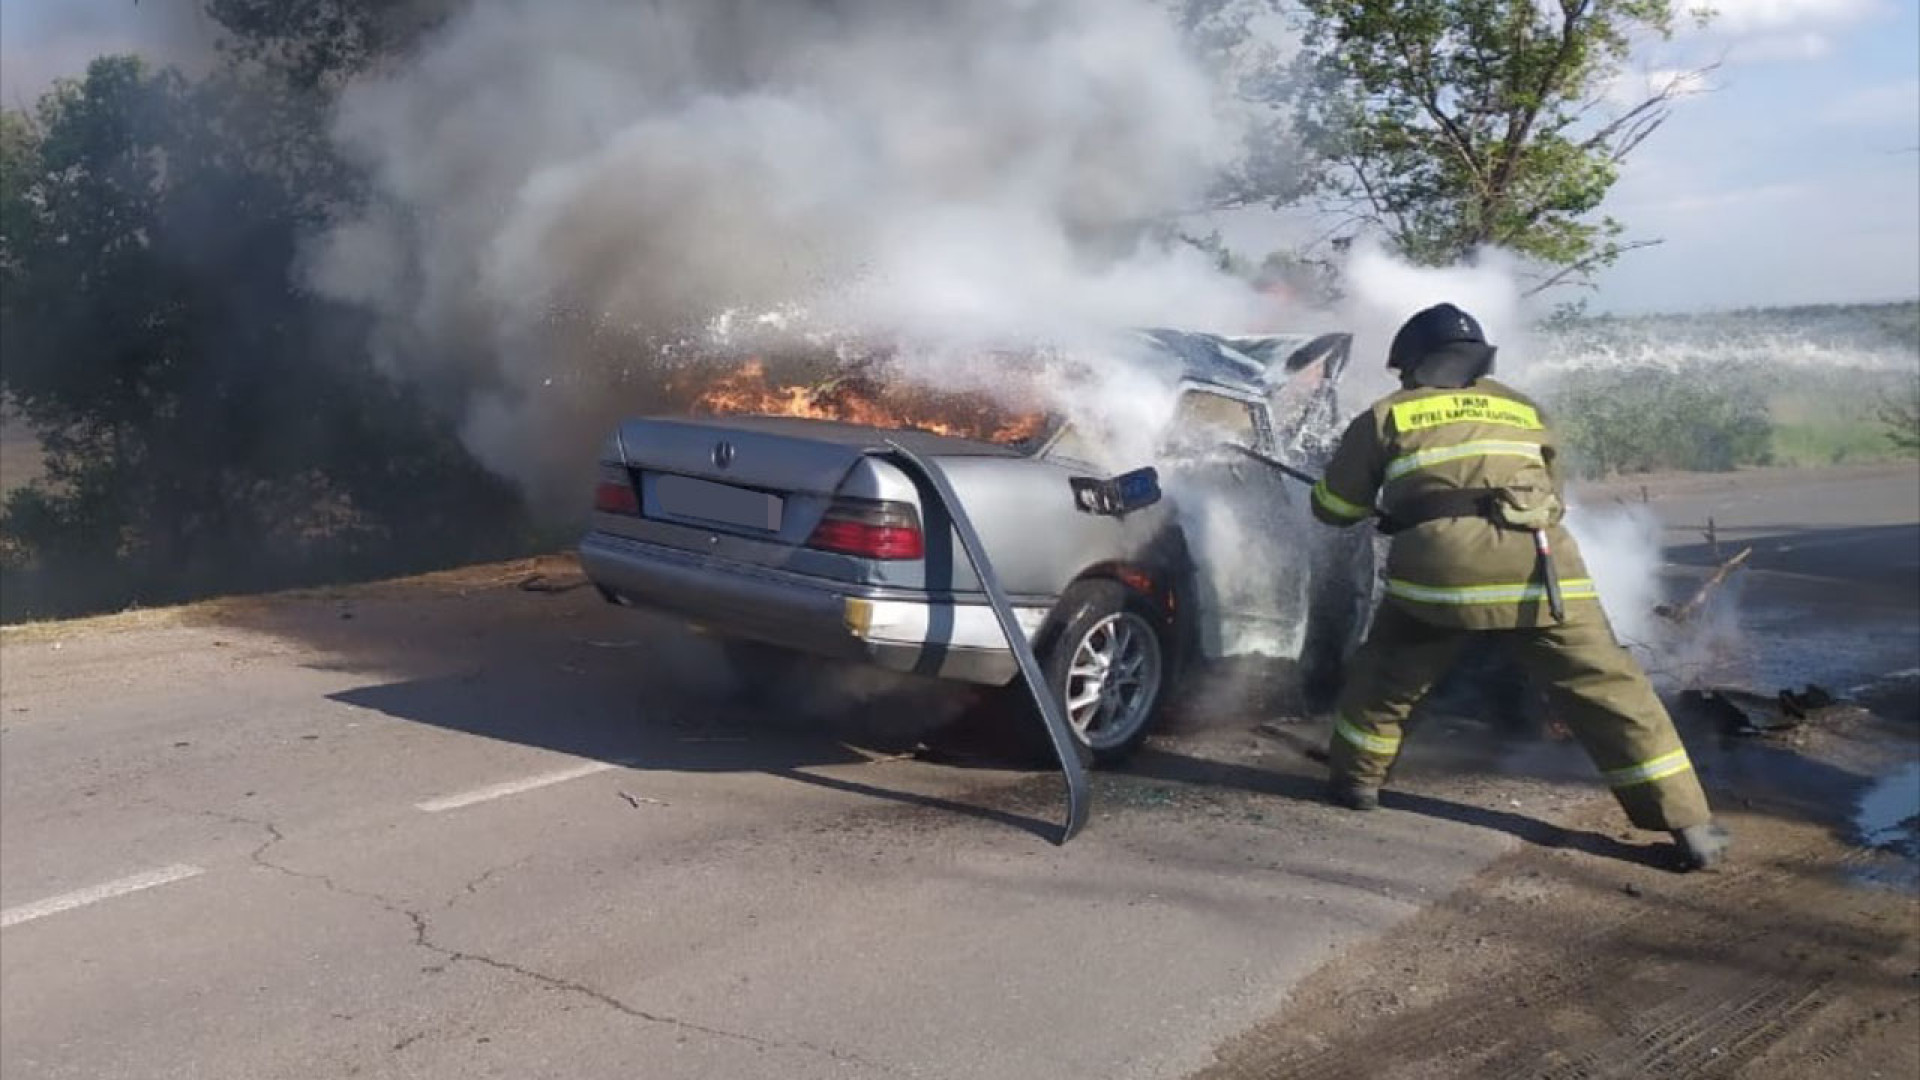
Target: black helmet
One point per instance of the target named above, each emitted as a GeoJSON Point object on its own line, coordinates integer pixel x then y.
{"type": "Point", "coordinates": [1441, 346]}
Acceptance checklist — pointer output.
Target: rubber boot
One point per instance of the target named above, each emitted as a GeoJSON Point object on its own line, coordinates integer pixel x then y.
{"type": "Point", "coordinates": [1353, 795]}
{"type": "Point", "coordinates": [1702, 846]}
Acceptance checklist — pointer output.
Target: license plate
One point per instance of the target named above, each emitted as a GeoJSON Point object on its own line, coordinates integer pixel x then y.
{"type": "Point", "coordinates": [722, 504]}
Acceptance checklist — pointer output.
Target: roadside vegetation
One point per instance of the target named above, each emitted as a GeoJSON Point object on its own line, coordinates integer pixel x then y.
{"type": "Point", "coordinates": [1798, 387]}
{"type": "Point", "coordinates": [204, 425]}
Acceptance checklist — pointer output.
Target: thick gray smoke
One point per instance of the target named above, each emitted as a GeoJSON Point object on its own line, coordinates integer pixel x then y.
{"type": "Point", "coordinates": [564, 189]}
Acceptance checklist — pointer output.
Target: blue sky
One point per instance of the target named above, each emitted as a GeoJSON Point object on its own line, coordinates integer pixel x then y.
{"type": "Point", "coordinates": [1794, 179]}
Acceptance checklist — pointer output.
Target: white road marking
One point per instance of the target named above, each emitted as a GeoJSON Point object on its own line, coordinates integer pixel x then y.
{"type": "Point", "coordinates": [54, 905]}
{"type": "Point", "coordinates": [512, 787]}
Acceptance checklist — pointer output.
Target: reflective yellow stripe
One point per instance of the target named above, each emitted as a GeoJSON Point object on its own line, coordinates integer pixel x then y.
{"type": "Point", "coordinates": [1570, 589]}
{"type": "Point", "coordinates": [1407, 463]}
{"type": "Point", "coordinates": [1336, 505]}
{"type": "Point", "coordinates": [1650, 770]}
{"type": "Point", "coordinates": [1365, 740]}
{"type": "Point", "coordinates": [1441, 409]}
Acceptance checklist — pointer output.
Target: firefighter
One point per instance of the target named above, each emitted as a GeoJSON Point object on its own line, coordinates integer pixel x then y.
{"type": "Point", "coordinates": [1462, 472]}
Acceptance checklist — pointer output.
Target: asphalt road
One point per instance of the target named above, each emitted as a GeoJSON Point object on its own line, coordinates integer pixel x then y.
{"type": "Point", "coordinates": [523, 834]}
{"type": "Point", "coordinates": [452, 828]}
{"type": "Point", "coordinates": [1831, 590]}
{"type": "Point", "coordinates": [1857, 524]}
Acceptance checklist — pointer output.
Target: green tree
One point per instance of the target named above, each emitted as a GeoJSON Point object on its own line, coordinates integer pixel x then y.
{"type": "Point", "coordinates": [1450, 125]}
{"type": "Point", "coordinates": [207, 426]}
{"type": "Point", "coordinates": [316, 44]}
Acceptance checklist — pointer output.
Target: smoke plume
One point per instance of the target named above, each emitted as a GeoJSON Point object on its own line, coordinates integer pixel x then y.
{"type": "Point", "coordinates": [566, 192]}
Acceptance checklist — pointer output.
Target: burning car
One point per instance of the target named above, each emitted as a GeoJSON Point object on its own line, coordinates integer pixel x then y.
{"type": "Point", "coordinates": [781, 522]}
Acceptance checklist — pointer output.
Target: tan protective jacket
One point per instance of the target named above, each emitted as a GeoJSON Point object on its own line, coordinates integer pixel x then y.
{"type": "Point", "coordinates": [1460, 571]}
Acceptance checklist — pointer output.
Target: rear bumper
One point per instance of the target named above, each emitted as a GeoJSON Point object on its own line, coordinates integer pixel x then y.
{"type": "Point", "coordinates": [905, 632]}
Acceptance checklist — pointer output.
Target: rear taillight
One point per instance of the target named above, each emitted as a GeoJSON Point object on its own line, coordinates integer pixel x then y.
{"type": "Point", "coordinates": [869, 529]}
{"type": "Point", "coordinates": [613, 493]}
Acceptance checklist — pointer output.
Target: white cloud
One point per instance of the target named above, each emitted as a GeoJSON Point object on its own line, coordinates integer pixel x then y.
{"type": "Point", "coordinates": [1852, 234]}
{"type": "Point", "coordinates": [1803, 45]}
{"type": "Point", "coordinates": [1754, 31]}
{"type": "Point", "coordinates": [1753, 17]}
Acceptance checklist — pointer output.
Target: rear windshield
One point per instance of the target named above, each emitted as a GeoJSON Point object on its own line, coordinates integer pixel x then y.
{"type": "Point", "coordinates": [876, 389]}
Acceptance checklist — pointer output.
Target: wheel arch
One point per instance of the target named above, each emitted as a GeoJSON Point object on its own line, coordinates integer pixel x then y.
{"type": "Point", "coordinates": [1161, 576]}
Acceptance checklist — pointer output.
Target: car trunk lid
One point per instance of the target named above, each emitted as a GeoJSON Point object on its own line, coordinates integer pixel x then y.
{"type": "Point", "coordinates": [787, 493]}
{"type": "Point", "coordinates": [729, 453]}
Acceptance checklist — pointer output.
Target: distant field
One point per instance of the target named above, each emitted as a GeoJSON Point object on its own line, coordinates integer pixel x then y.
{"type": "Point", "coordinates": [1806, 387]}
{"type": "Point", "coordinates": [1836, 427]}
{"type": "Point", "coordinates": [1813, 444]}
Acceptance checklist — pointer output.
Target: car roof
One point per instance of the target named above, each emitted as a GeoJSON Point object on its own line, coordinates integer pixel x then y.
{"type": "Point", "coordinates": [1241, 364]}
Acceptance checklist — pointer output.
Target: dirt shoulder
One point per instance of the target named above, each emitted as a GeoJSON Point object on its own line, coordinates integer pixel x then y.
{"type": "Point", "coordinates": [543, 573]}
{"type": "Point", "coordinates": [1758, 502]}
{"type": "Point", "coordinates": [1556, 963]}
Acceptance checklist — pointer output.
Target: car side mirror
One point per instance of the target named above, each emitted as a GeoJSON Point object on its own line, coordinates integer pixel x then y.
{"type": "Point", "coordinates": [1118, 496]}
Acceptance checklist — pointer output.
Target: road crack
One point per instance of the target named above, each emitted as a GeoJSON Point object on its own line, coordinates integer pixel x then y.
{"type": "Point", "coordinates": [472, 887]}
{"type": "Point", "coordinates": [423, 938]}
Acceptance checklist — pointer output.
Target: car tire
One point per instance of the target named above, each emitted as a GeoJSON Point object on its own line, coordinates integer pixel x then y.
{"type": "Point", "coordinates": [1106, 661]}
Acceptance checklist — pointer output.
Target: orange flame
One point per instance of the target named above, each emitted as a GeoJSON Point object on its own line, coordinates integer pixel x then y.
{"type": "Point", "coordinates": [861, 400]}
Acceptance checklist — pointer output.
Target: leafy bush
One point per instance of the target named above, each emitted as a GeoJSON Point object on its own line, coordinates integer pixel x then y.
{"type": "Point", "coordinates": [1645, 418]}
{"type": "Point", "coordinates": [1899, 414]}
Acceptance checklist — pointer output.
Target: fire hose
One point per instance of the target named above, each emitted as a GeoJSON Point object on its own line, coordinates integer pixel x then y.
{"type": "Point", "coordinates": [1281, 467]}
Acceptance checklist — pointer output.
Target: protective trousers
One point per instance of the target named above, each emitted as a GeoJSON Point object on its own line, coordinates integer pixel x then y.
{"type": "Point", "coordinates": [1593, 685]}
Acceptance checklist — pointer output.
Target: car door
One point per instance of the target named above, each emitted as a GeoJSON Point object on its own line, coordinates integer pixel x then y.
{"type": "Point", "coordinates": [1304, 402]}
{"type": "Point", "coordinates": [1245, 529]}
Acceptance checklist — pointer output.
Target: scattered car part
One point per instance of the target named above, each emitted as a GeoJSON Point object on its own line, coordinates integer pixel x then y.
{"type": "Point", "coordinates": [1119, 496]}
{"type": "Point", "coordinates": [1804, 703]}
{"type": "Point", "coordinates": [1067, 748]}
{"type": "Point", "coordinates": [1700, 596]}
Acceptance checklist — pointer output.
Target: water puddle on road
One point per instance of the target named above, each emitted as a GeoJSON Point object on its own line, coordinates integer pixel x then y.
{"type": "Point", "coordinates": [1888, 817]}
{"type": "Point", "coordinates": [1886, 827]}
